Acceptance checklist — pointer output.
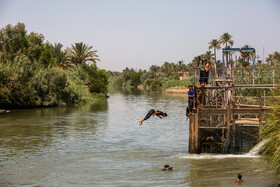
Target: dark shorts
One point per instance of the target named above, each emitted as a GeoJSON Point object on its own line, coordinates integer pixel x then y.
{"type": "Point", "coordinates": [150, 113]}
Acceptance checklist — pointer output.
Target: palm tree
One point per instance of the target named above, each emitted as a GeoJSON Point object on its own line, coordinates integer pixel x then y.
{"type": "Point", "coordinates": [59, 55]}
{"type": "Point", "coordinates": [226, 40]}
{"type": "Point", "coordinates": [276, 58]}
{"type": "Point", "coordinates": [269, 59]}
{"type": "Point", "coordinates": [81, 53]}
{"type": "Point", "coordinates": [216, 45]}
{"type": "Point", "coordinates": [154, 69]}
{"type": "Point", "coordinates": [247, 55]}
{"type": "Point", "coordinates": [209, 57]}
{"type": "Point", "coordinates": [165, 68]}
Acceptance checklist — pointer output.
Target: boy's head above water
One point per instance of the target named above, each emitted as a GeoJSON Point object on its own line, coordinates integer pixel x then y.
{"type": "Point", "coordinates": [239, 176]}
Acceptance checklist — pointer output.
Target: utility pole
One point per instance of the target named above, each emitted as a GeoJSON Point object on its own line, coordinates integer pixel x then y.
{"type": "Point", "coordinates": [263, 54]}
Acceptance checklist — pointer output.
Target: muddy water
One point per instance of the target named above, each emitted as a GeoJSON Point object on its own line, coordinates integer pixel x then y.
{"type": "Point", "coordinates": [103, 145]}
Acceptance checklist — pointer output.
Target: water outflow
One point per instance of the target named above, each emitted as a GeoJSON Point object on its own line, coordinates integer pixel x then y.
{"type": "Point", "coordinates": [254, 152]}
{"type": "Point", "coordinates": [257, 148]}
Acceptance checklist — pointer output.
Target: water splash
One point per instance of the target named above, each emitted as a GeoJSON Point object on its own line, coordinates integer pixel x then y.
{"type": "Point", "coordinates": [254, 152]}
{"type": "Point", "coordinates": [257, 148]}
{"type": "Point", "coordinates": [216, 156]}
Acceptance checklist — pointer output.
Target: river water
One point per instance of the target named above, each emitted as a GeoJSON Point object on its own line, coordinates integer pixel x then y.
{"type": "Point", "coordinates": [103, 145]}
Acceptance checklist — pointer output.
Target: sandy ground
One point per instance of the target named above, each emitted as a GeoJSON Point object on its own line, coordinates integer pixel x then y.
{"type": "Point", "coordinates": [177, 90]}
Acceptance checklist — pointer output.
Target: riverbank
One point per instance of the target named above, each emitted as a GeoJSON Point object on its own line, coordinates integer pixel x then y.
{"type": "Point", "coordinates": [176, 90]}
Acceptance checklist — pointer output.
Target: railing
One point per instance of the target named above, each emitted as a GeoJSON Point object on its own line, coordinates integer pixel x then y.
{"type": "Point", "coordinates": [251, 100]}
{"type": "Point", "coordinates": [250, 77]}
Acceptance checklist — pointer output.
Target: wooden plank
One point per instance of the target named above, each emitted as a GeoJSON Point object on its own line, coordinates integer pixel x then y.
{"type": "Point", "coordinates": [190, 134]}
{"type": "Point", "coordinates": [246, 111]}
{"type": "Point", "coordinates": [196, 132]}
{"type": "Point", "coordinates": [253, 121]}
{"type": "Point", "coordinates": [242, 86]}
{"type": "Point", "coordinates": [228, 126]}
{"type": "Point", "coordinates": [201, 127]}
{"type": "Point", "coordinates": [260, 119]}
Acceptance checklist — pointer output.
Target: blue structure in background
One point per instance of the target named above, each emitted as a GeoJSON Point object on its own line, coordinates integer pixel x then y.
{"type": "Point", "coordinates": [241, 50]}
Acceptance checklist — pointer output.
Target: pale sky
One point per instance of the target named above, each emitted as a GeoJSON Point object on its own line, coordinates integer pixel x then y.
{"type": "Point", "coordinates": [141, 33]}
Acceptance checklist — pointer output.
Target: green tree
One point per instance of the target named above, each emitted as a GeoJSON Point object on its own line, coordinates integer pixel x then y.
{"type": "Point", "coordinates": [81, 53]}
{"type": "Point", "coordinates": [208, 56]}
{"type": "Point", "coordinates": [135, 79]}
{"type": "Point", "coordinates": [34, 41]}
{"type": "Point", "coordinates": [46, 57]}
{"type": "Point", "coordinates": [154, 69]}
{"type": "Point", "coordinates": [242, 62]}
{"type": "Point", "coordinates": [247, 56]}
{"type": "Point", "coordinates": [276, 58]}
{"type": "Point", "coordinates": [269, 59]}
{"type": "Point", "coordinates": [216, 45]}
{"type": "Point", "coordinates": [226, 39]}
{"type": "Point", "coordinates": [98, 79]}
{"type": "Point", "coordinates": [127, 73]}
{"type": "Point", "coordinates": [271, 132]}
{"type": "Point", "coordinates": [14, 41]}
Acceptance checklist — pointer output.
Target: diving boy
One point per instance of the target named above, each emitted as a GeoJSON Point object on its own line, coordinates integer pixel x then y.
{"type": "Point", "coordinates": [153, 112]}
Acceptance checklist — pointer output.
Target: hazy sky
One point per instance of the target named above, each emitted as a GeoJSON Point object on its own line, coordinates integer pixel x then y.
{"type": "Point", "coordinates": [141, 33]}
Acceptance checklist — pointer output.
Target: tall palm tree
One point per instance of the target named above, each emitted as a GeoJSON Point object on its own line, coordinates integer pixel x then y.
{"type": "Point", "coordinates": [226, 40]}
{"type": "Point", "coordinates": [81, 53]}
{"type": "Point", "coordinates": [216, 45]}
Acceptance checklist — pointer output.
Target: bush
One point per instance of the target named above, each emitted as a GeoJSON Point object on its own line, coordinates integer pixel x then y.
{"type": "Point", "coordinates": [271, 132]}
{"type": "Point", "coordinates": [156, 85]}
{"type": "Point", "coordinates": [172, 83]}
{"type": "Point", "coordinates": [26, 85]}
{"type": "Point", "coordinates": [98, 80]}
{"type": "Point", "coordinates": [147, 83]}
{"type": "Point", "coordinates": [135, 80]}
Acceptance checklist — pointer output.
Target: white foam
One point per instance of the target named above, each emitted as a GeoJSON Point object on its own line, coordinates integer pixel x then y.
{"type": "Point", "coordinates": [254, 152]}
{"type": "Point", "coordinates": [257, 148]}
{"type": "Point", "coordinates": [216, 156]}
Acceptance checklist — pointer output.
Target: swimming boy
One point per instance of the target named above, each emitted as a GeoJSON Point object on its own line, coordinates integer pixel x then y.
{"type": "Point", "coordinates": [153, 112]}
{"type": "Point", "coordinates": [239, 178]}
{"type": "Point", "coordinates": [167, 167]}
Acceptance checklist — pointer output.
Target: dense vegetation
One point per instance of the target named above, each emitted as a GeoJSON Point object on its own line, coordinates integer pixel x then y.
{"type": "Point", "coordinates": [271, 132]}
{"type": "Point", "coordinates": [156, 78]}
{"type": "Point", "coordinates": [34, 73]}
{"type": "Point", "coordinates": [180, 75]}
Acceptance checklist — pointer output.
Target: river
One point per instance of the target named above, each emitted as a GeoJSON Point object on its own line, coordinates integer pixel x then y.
{"type": "Point", "coordinates": [104, 145]}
